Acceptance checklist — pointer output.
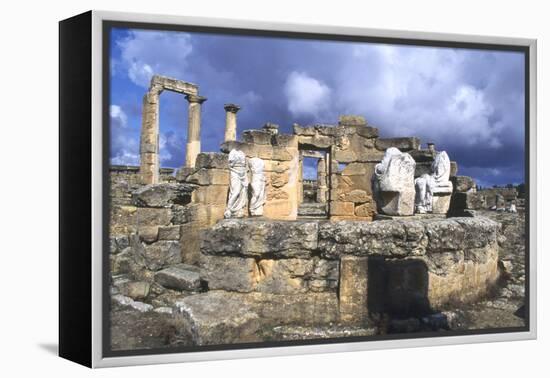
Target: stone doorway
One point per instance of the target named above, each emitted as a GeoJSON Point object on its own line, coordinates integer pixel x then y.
{"type": "Point", "coordinates": [313, 186]}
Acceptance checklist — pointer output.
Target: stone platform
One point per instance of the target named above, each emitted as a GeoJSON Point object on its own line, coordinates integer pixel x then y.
{"type": "Point", "coordinates": [400, 267]}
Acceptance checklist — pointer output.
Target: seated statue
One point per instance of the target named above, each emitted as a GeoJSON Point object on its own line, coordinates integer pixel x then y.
{"type": "Point", "coordinates": [393, 183]}
{"type": "Point", "coordinates": [433, 192]}
{"type": "Point", "coordinates": [238, 185]}
{"type": "Point", "coordinates": [257, 186]}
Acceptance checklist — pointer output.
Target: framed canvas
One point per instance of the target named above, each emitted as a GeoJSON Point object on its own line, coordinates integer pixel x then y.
{"type": "Point", "coordinates": [234, 189]}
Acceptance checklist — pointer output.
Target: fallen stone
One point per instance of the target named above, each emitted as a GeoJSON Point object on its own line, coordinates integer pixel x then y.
{"type": "Point", "coordinates": [178, 278]}
{"type": "Point", "coordinates": [122, 300]}
{"type": "Point", "coordinates": [135, 290]}
{"type": "Point", "coordinates": [216, 318]}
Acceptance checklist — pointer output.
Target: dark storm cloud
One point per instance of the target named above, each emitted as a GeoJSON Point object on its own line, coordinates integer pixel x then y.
{"type": "Point", "coordinates": [469, 102]}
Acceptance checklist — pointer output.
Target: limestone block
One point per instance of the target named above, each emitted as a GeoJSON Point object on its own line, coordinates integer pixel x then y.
{"type": "Point", "coordinates": [257, 137]}
{"type": "Point", "coordinates": [351, 120]}
{"type": "Point", "coordinates": [163, 195]}
{"type": "Point", "coordinates": [341, 208]}
{"type": "Point", "coordinates": [441, 203]}
{"type": "Point", "coordinates": [463, 183]}
{"type": "Point", "coordinates": [283, 153]}
{"type": "Point", "coordinates": [211, 195]}
{"type": "Point", "coordinates": [216, 318]}
{"type": "Point", "coordinates": [316, 140]}
{"type": "Point", "coordinates": [144, 216]}
{"type": "Point", "coordinates": [305, 309]}
{"type": "Point", "coordinates": [229, 273]}
{"type": "Point", "coordinates": [284, 276]}
{"type": "Point", "coordinates": [169, 233]}
{"type": "Point", "coordinates": [177, 278]}
{"type": "Point", "coordinates": [403, 144]}
{"type": "Point", "coordinates": [256, 237]}
{"type": "Point", "coordinates": [148, 234]}
{"type": "Point", "coordinates": [211, 160]}
{"type": "Point", "coordinates": [285, 140]}
{"type": "Point", "coordinates": [365, 210]}
{"type": "Point", "coordinates": [367, 132]}
{"type": "Point", "coordinates": [356, 195]}
{"type": "Point", "coordinates": [209, 176]}
{"type": "Point", "coordinates": [161, 254]}
{"type": "Point", "coordinates": [135, 289]}
{"type": "Point", "coordinates": [353, 289]}
{"type": "Point", "coordinates": [190, 241]}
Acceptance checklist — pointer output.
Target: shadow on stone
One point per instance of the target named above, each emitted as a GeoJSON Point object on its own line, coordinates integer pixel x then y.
{"type": "Point", "coordinates": [398, 287]}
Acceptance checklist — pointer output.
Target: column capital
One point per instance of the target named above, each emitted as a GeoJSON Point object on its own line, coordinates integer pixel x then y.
{"type": "Point", "coordinates": [233, 108]}
{"type": "Point", "coordinates": [195, 98]}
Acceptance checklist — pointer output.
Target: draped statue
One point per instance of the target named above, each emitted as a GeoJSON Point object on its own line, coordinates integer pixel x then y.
{"type": "Point", "coordinates": [257, 186]}
{"type": "Point", "coordinates": [238, 185]}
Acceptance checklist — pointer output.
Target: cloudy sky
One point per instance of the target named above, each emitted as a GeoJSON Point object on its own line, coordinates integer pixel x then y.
{"type": "Point", "coordinates": [469, 102]}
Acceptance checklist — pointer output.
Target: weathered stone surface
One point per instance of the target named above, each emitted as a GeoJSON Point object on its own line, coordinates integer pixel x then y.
{"type": "Point", "coordinates": [257, 136]}
{"type": "Point", "coordinates": [163, 195]}
{"type": "Point", "coordinates": [403, 144]}
{"type": "Point", "coordinates": [246, 237]}
{"type": "Point", "coordinates": [178, 278]}
{"type": "Point", "coordinates": [367, 132]}
{"type": "Point", "coordinates": [118, 243]}
{"type": "Point", "coordinates": [133, 329]}
{"type": "Point", "coordinates": [135, 289]}
{"type": "Point", "coordinates": [216, 318]}
{"type": "Point", "coordinates": [404, 238]}
{"type": "Point", "coordinates": [341, 208]}
{"type": "Point", "coordinates": [463, 183]}
{"type": "Point", "coordinates": [306, 309]}
{"type": "Point", "coordinates": [122, 300]}
{"type": "Point", "coordinates": [209, 176]}
{"type": "Point", "coordinates": [229, 273]}
{"type": "Point", "coordinates": [353, 289]}
{"type": "Point", "coordinates": [161, 254]}
{"type": "Point", "coordinates": [211, 160]}
{"type": "Point", "coordinates": [351, 120]}
{"type": "Point", "coordinates": [357, 196]}
{"type": "Point", "coordinates": [148, 234]}
{"type": "Point", "coordinates": [169, 233]}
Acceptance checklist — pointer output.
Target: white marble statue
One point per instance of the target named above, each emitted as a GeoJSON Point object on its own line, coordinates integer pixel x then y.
{"type": "Point", "coordinates": [257, 185]}
{"type": "Point", "coordinates": [238, 185]}
{"type": "Point", "coordinates": [424, 186]}
{"type": "Point", "coordinates": [393, 183]}
{"type": "Point", "coordinates": [433, 191]}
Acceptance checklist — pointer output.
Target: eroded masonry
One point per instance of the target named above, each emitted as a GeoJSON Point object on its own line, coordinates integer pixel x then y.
{"type": "Point", "coordinates": [237, 243]}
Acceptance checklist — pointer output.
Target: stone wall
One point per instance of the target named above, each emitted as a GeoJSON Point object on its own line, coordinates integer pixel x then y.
{"type": "Point", "coordinates": [394, 266]}
{"type": "Point", "coordinates": [280, 155]}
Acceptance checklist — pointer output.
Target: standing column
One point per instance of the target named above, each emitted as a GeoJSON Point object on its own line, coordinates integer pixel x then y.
{"type": "Point", "coordinates": [231, 122]}
{"type": "Point", "coordinates": [149, 148]}
{"type": "Point", "coordinates": [193, 129]}
{"type": "Point", "coordinates": [321, 181]}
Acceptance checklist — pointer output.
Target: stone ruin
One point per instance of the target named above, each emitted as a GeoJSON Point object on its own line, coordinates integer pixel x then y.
{"type": "Point", "coordinates": [238, 241]}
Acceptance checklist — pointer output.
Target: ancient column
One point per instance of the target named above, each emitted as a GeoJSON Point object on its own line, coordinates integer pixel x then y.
{"type": "Point", "coordinates": [321, 181]}
{"type": "Point", "coordinates": [231, 121]}
{"type": "Point", "coordinates": [149, 147]}
{"type": "Point", "coordinates": [193, 129]}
